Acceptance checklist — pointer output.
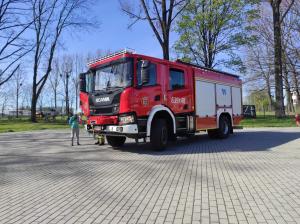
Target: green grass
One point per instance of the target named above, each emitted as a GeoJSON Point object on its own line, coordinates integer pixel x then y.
{"type": "Point", "coordinates": [269, 121]}
{"type": "Point", "coordinates": [23, 124]}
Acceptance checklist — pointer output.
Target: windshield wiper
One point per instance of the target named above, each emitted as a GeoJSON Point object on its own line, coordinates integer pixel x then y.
{"type": "Point", "coordinates": [115, 87]}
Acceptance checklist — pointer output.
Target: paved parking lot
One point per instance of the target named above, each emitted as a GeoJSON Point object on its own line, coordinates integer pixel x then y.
{"type": "Point", "coordinates": [252, 177]}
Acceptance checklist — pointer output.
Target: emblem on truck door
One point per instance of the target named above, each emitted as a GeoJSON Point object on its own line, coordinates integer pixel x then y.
{"type": "Point", "coordinates": [145, 101]}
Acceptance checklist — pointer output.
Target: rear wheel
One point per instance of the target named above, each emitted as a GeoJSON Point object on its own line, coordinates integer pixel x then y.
{"type": "Point", "coordinates": [159, 134]}
{"type": "Point", "coordinates": [116, 141]}
{"type": "Point", "coordinates": [224, 127]}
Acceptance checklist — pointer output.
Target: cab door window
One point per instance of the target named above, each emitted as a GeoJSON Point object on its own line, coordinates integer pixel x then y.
{"type": "Point", "coordinates": [151, 69]}
{"type": "Point", "coordinates": [89, 80]}
{"type": "Point", "coordinates": [177, 80]}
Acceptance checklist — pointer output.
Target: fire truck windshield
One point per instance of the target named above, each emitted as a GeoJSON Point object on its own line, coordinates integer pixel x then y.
{"type": "Point", "coordinates": [117, 75]}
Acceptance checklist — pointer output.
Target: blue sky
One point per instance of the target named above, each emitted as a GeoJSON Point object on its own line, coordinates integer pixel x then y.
{"type": "Point", "coordinates": [113, 33]}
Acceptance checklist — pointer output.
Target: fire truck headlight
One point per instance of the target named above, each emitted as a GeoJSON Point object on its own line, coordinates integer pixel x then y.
{"type": "Point", "coordinates": [127, 119]}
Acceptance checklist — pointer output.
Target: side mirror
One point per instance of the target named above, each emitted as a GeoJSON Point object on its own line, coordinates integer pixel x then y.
{"type": "Point", "coordinates": [145, 72]}
{"type": "Point", "coordinates": [82, 82]}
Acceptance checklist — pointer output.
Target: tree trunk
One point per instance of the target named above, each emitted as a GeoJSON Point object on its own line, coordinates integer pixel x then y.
{"type": "Point", "coordinates": [279, 100]}
{"type": "Point", "coordinates": [270, 100]}
{"type": "Point", "coordinates": [289, 100]}
{"type": "Point", "coordinates": [33, 104]}
{"type": "Point", "coordinates": [55, 100]}
{"type": "Point", "coordinates": [3, 105]}
{"type": "Point", "coordinates": [67, 95]}
{"type": "Point", "coordinates": [288, 97]}
{"type": "Point", "coordinates": [165, 48]}
{"type": "Point", "coordinates": [17, 106]}
{"type": "Point", "coordinates": [76, 98]}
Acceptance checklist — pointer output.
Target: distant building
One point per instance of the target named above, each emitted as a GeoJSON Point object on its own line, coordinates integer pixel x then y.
{"type": "Point", "coordinates": [20, 113]}
{"type": "Point", "coordinates": [50, 111]}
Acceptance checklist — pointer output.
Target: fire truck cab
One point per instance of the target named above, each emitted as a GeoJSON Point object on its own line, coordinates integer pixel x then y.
{"type": "Point", "coordinates": [128, 95]}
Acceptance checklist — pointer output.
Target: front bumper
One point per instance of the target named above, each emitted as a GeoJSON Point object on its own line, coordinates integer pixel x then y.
{"type": "Point", "coordinates": [129, 129]}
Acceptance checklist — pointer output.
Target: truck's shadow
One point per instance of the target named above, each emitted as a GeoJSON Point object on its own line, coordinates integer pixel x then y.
{"type": "Point", "coordinates": [82, 161]}
{"type": "Point", "coordinates": [241, 142]}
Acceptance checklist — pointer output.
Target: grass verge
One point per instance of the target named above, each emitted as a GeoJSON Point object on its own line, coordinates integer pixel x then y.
{"type": "Point", "coordinates": [26, 125]}
{"type": "Point", "coordinates": [269, 121]}
{"type": "Point", "coordinates": [16, 125]}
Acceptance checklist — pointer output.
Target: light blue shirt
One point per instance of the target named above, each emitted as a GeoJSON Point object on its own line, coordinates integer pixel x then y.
{"type": "Point", "coordinates": [73, 122]}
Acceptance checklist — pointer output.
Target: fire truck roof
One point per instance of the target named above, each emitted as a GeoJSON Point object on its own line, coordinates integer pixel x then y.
{"type": "Point", "coordinates": [132, 52]}
{"type": "Point", "coordinates": [206, 68]}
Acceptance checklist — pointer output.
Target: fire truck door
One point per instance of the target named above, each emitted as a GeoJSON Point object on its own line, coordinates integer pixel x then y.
{"type": "Point", "coordinates": [179, 94]}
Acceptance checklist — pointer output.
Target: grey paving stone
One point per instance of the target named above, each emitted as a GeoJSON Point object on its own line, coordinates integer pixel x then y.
{"type": "Point", "coordinates": [251, 177]}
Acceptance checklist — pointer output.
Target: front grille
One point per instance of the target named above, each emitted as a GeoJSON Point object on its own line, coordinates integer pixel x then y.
{"type": "Point", "coordinates": [111, 110]}
{"type": "Point", "coordinates": [108, 110]}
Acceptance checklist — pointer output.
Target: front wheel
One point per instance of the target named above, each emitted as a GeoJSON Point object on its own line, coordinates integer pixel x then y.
{"type": "Point", "coordinates": [159, 134]}
{"type": "Point", "coordinates": [115, 141]}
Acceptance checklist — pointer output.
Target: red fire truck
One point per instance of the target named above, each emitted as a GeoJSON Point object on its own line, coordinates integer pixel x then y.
{"type": "Point", "coordinates": [128, 95]}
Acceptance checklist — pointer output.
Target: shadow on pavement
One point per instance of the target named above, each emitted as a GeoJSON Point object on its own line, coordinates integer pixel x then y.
{"type": "Point", "coordinates": [65, 161]}
{"type": "Point", "coordinates": [240, 142]}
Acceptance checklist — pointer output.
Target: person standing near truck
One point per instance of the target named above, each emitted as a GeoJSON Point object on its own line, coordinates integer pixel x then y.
{"type": "Point", "coordinates": [74, 123]}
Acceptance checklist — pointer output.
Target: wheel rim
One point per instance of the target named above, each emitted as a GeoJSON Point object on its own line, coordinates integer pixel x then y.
{"type": "Point", "coordinates": [226, 128]}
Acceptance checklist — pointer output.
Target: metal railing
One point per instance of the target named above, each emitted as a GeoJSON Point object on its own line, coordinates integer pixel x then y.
{"type": "Point", "coordinates": [124, 51]}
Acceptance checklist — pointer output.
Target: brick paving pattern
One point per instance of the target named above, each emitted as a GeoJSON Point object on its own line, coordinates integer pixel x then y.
{"type": "Point", "coordinates": [252, 177]}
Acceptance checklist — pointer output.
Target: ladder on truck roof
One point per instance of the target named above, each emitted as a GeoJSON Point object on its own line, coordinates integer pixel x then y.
{"type": "Point", "coordinates": [124, 51]}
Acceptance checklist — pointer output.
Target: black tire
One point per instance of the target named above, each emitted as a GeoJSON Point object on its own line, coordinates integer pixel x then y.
{"type": "Point", "coordinates": [159, 134]}
{"type": "Point", "coordinates": [116, 141]}
{"type": "Point", "coordinates": [172, 137]}
{"type": "Point", "coordinates": [224, 128]}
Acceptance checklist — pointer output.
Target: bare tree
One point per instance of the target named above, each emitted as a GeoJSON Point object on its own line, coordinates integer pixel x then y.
{"type": "Point", "coordinates": [260, 70]}
{"type": "Point", "coordinates": [4, 103]}
{"type": "Point", "coordinates": [26, 95]}
{"type": "Point", "coordinates": [3, 99]}
{"type": "Point", "coordinates": [55, 80]}
{"type": "Point", "coordinates": [51, 18]}
{"type": "Point", "coordinates": [78, 67]}
{"type": "Point", "coordinates": [160, 15]}
{"type": "Point", "coordinates": [259, 61]}
{"type": "Point", "coordinates": [66, 72]}
{"type": "Point", "coordinates": [289, 39]}
{"type": "Point", "coordinates": [293, 47]}
{"type": "Point", "coordinates": [18, 79]}
{"type": "Point", "coordinates": [13, 45]}
{"type": "Point", "coordinates": [263, 63]}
